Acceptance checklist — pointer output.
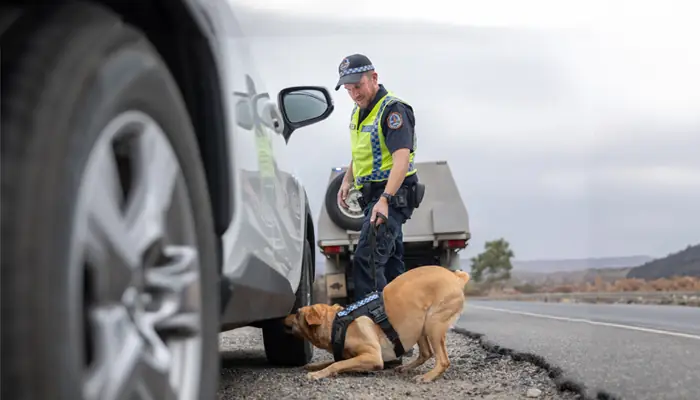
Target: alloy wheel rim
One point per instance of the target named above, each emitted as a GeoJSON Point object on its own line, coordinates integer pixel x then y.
{"type": "Point", "coordinates": [354, 210]}
{"type": "Point", "coordinates": [134, 242]}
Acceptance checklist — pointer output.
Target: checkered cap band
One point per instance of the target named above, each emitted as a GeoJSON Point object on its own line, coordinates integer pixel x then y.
{"type": "Point", "coordinates": [356, 70]}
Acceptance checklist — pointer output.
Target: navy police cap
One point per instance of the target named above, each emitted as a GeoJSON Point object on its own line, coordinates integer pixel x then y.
{"type": "Point", "coordinates": [351, 69]}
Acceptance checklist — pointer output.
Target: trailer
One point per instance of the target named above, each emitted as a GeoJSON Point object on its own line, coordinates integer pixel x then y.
{"type": "Point", "coordinates": [437, 231]}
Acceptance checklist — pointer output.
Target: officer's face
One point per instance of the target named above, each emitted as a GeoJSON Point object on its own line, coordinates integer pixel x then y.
{"type": "Point", "coordinates": [363, 91]}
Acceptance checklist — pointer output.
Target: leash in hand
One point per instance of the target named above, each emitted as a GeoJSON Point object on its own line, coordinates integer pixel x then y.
{"type": "Point", "coordinates": [373, 245]}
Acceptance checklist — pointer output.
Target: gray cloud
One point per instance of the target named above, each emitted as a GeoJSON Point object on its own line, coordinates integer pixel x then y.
{"type": "Point", "coordinates": [543, 153]}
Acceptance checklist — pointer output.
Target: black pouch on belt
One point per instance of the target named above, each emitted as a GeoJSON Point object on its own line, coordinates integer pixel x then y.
{"type": "Point", "coordinates": [416, 193]}
{"type": "Point", "coordinates": [402, 198]}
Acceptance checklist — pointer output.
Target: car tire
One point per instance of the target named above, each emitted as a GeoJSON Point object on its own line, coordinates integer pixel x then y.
{"type": "Point", "coordinates": [346, 219]}
{"type": "Point", "coordinates": [68, 72]}
{"type": "Point", "coordinates": [282, 348]}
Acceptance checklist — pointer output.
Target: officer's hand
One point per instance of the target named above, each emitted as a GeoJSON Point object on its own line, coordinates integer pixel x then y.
{"type": "Point", "coordinates": [381, 206]}
{"type": "Point", "coordinates": [343, 194]}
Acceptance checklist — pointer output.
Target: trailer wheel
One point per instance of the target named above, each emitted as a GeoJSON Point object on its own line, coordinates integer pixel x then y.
{"type": "Point", "coordinates": [347, 218]}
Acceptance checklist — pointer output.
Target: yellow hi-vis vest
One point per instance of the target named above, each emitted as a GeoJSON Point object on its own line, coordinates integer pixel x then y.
{"type": "Point", "coordinates": [371, 160]}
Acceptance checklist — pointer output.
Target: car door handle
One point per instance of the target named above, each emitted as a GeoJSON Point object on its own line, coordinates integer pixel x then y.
{"type": "Point", "coordinates": [275, 118]}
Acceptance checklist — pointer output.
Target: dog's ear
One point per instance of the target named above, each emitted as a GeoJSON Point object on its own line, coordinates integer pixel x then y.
{"type": "Point", "coordinates": [336, 307]}
{"type": "Point", "coordinates": [313, 315]}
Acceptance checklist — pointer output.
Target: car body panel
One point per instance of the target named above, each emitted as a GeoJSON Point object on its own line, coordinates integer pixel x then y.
{"type": "Point", "coordinates": [263, 245]}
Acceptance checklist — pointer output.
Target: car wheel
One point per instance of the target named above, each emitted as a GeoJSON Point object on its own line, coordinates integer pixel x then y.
{"type": "Point", "coordinates": [346, 218]}
{"type": "Point", "coordinates": [109, 263]}
{"type": "Point", "coordinates": [282, 348]}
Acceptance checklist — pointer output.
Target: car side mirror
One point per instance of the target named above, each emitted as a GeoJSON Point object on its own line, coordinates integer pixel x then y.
{"type": "Point", "coordinates": [303, 105]}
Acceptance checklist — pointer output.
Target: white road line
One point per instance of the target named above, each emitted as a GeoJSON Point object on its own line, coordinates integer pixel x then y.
{"type": "Point", "coordinates": [587, 321]}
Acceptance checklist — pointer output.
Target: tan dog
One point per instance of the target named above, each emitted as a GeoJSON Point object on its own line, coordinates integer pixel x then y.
{"type": "Point", "coordinates": [421, 304]}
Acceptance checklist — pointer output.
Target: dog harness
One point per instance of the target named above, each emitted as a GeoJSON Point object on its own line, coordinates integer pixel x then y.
{"type": "Point", "coordinates": [371, 306]}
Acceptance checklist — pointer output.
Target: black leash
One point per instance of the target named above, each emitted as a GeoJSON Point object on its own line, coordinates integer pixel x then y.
{"type": "Point", "coordinates": [372, 306]}
{"type": "Point", "coordinates": [373, 246]}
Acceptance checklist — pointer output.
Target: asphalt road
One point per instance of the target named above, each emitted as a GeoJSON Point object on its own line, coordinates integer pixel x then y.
{"type": "Point", "coordinates": [631, 351]}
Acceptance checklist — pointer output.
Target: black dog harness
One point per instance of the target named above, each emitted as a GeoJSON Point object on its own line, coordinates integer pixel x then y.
{"type": "Point", "coordinates": [371, 306]}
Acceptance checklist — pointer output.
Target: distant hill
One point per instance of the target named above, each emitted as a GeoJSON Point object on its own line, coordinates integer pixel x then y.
{"type": "Point", "coordinates": [569, 277]}
{"type": "Point", "coordinates": [683, 263]}
{"type": "Point", "coordinates": [567, 265]}
{"type": "Point", "coordinates": [570, 271]}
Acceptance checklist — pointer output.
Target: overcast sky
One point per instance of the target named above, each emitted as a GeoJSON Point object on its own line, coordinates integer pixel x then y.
{"type": "Point", "coordinates": [572, 128]}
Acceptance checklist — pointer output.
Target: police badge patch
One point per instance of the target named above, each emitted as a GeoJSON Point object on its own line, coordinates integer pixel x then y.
{"type": "Point", "coordinates": [344, 64]}
{"type": "Point", "coordinates": [394, 120]}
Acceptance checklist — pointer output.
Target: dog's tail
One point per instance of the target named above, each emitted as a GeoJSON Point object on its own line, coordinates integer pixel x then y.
{"type": "Point", "coordinates": [463, 277]}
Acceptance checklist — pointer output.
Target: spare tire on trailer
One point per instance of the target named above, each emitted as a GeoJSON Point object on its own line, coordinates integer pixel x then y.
{"type": "Point", "coordinates": [346, 218]}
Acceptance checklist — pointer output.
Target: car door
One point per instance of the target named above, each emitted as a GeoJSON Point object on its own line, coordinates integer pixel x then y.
{"type": "Point", "coordinates": [269, 183]}
{"type": "Point", "coordinates": [258, 176]}
{"type": "Point", "coordinates": [282, 191]}
{"type": "Point", "coordinates": [250, 237]}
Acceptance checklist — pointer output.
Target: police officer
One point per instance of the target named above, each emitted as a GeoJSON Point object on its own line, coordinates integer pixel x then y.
{"type": "Point", "coordinates": [383, 147]}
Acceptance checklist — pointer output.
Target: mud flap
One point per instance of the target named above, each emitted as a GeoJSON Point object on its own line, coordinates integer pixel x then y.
{"type": "Point", "coordinates": [450, 260]}
{"type": "Point", "coordinates": [336, 286]}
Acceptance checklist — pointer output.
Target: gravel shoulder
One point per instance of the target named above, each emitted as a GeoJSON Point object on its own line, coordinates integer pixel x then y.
{"type": "Point", "coordinates": [475, 373]}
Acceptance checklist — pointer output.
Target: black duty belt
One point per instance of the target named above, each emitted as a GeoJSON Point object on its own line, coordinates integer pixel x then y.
{"type": "Point", "coordinates": [406, 196]}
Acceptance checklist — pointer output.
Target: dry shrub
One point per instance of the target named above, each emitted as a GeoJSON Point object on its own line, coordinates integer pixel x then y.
{"type": "Point", "coordinates": [475, 289]}
{"type": "Point", "coordinates": [562, 289]}
{"type": "Point", "coordinates": [661, 285]}
{"type": "Point", "coordinates": [676, 283]}
{"type": "Point", "coordinates": [527, 288]}
{"type": "Point", "coordinates": [628, 285]}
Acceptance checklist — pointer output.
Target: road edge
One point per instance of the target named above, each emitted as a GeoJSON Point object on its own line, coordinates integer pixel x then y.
{"type": "Point", "coordinates": [562, 383]}
{"type": "Point", "coordinates": [675, 298]}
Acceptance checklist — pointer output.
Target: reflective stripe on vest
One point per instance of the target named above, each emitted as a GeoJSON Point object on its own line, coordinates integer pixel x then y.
{"type": "Point", "coordinates": [371, 160]}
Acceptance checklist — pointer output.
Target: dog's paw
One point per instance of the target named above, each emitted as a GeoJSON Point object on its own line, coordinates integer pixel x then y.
{"type": "Point", "coordinates": [314, 376]}
{"type": "Point", "coordinates": [423, 379]}
{"type": "Point", "coordinates": [401, 369]}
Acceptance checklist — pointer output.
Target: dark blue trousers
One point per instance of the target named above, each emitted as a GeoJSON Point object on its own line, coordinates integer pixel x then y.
{"type": "Point", "coordinates": [388, 255]}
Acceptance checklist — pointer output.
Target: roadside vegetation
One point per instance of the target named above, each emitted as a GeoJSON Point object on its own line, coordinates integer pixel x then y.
{"type": "Point", "coordinates": [491, 272]}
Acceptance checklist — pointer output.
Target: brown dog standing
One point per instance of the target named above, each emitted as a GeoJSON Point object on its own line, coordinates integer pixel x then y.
{"type": "Point", "coordinates": [421, 304]}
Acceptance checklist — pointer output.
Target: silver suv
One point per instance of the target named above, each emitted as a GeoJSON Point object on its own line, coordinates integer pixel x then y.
{"type": "Point", "coordinates": [146, 204]}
